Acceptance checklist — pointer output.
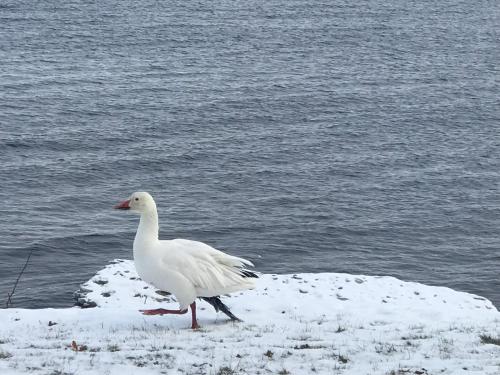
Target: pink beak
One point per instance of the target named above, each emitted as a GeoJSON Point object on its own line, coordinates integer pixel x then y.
{"type": "Point", "coordinates": [123, 206]}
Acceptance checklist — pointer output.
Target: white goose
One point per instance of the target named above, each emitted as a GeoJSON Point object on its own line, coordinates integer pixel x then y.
{"type": "Point", "coordinates": [187, 269]}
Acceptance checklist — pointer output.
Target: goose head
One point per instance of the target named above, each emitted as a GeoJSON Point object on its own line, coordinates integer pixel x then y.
{"type": "Point", "coordinates": [139, 201]}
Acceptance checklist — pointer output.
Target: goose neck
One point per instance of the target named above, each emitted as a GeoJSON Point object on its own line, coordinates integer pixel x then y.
{"type": "Point", "coordinates": [148, 226]}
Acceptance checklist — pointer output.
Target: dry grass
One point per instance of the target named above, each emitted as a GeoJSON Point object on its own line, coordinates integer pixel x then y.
{"type": "Point", "coordinates": [488, 339]}
{"type": "Point", "coordinates": [5, 355]}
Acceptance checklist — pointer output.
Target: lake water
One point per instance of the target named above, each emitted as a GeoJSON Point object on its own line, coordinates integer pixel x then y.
{"type": "Point", "coordinates": [307, 136]}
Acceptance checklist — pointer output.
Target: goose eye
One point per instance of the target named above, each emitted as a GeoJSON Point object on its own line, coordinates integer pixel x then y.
{"type": "Point", "coordinates": [136, 199]}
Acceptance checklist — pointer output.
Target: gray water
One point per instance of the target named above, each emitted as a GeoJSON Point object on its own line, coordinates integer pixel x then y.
{"type": "Point", "coordinates": [307, 136]}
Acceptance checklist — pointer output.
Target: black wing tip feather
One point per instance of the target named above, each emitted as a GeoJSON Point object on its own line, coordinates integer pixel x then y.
{"type": "Point", "coordinates": [220, 306]}
{"type": "Point", "coordinates": [247, 273]}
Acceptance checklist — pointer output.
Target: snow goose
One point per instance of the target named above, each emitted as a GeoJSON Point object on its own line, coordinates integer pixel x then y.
{"type": "Point", "coordinates": [187, 269]}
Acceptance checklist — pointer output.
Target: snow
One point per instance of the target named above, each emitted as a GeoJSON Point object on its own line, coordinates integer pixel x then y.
{"type": "Point", "coordinates": [324, 323]}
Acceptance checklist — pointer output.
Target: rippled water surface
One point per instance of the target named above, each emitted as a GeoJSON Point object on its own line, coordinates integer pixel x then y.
{"type": "Point", "coordinates": [308, 136]}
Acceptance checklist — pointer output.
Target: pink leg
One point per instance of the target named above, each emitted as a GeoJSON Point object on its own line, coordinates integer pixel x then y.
{"type": "Point", "coordinates": [162, 312]}
{"type": "Point", "coordinates": [194, 323]}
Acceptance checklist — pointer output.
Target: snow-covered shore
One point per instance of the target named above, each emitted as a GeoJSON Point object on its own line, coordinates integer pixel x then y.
{"type": "Point", "coordinates": [293, 324]}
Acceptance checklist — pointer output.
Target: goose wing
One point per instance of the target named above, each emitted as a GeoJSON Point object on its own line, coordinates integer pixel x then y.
{"type": "Point", "coordinates": [211, 271]}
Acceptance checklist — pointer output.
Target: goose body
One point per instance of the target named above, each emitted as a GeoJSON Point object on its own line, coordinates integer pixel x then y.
{"type": "Point", "coordinates": [187, 269]}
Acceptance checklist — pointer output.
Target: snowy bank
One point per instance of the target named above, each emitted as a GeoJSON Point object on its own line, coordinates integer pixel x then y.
{"type": "Point", "coordinates": [293, 324]}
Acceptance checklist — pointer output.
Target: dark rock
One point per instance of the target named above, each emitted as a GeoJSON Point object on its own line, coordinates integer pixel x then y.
{"type": "Point", "coordinates": [85, 303]}
{"type": "Point", "coordinates": [163, 293]}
